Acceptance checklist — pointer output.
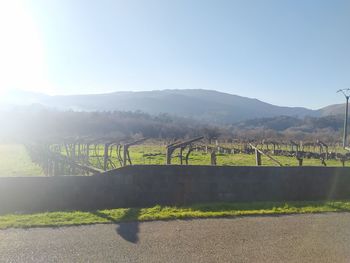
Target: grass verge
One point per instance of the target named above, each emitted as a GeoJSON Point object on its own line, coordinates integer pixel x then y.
{"type": "Point", "coordinates": [55, 219]}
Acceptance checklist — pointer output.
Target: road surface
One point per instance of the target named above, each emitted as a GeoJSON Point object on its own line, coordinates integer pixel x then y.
{"type": "Point", "coordinates": [292, 238]}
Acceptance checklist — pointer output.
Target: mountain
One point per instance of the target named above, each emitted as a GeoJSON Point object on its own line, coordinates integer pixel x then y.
{"type": "Point", "coordinates": [205, 105]}
{"type": "Point", "coordinates": [336, 109]}
{"type": "Point", "coordinates": [20, 97]}
{"type": "Point", "coordinates": [283, 123]}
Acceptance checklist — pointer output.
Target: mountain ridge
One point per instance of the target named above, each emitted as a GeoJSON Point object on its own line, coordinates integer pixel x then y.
{"type": "Point", "coordinates": [205, 105]}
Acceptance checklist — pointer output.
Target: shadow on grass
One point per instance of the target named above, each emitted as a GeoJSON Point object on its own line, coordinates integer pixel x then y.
{"type": "Point", "coordinates": [128, 230]}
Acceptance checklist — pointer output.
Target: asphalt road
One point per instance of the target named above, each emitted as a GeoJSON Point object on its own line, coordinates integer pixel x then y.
{"type": "Point", "coordinates": [293, 238]}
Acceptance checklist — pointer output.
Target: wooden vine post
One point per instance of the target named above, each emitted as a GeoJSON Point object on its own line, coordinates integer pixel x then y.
{"type": "Point", "coordinates": [126, 154]}
{"type": "Point", "coordinates": [257, 157]}
{"type": "Point", "coordinates": [258, 154]}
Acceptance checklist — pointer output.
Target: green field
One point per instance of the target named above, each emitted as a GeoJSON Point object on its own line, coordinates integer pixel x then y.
{"type": "Point", "coordinates": [141, 154]}
{"type": "Point", "coordinates": [137, 154]}
{"type": "Point", "coordinates": [201, 158]}
{"type": "Point", "coordinates": [166, 213]}
{"type": "Point", "coordinates": [14, 159]}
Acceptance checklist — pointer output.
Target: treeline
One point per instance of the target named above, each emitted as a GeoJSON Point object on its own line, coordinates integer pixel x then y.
{"type": "Point", "coordinates": [329, 128]}
{"type": "Point", "coordinates": [31, 124]}
{"type": "Point", "coordinates": [24, 125]}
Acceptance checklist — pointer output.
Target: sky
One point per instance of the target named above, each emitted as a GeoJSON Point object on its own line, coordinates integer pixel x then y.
{"type": "Point", "coordinates": [285, 52]}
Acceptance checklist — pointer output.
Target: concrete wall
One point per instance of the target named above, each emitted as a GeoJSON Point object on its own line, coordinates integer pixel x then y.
{"type": "Point", "coordinates": [147, 185]}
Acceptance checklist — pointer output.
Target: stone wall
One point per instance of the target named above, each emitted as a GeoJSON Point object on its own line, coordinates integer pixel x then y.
{"type": "Point", "coordinates": [148, 185]}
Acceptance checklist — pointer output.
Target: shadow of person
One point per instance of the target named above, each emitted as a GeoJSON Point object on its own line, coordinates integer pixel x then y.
{"type": "Point", "coordinates": [128, 230]}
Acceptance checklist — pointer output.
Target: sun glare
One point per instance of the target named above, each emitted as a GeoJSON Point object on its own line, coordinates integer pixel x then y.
{"type": "Point", "coordinates": [22, 63]}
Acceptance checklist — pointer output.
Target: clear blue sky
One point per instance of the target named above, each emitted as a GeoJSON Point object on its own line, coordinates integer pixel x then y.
{"type": "Point", "coordinates": [294, 53]}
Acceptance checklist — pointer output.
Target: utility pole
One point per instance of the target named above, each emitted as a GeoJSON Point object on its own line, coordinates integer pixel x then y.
{"type": "Point", "coordinates": [346, 93]}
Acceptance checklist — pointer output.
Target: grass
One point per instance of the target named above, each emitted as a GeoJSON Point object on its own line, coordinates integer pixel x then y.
{"type": "Point", "coordinates": [14, 161]}
{"type": "Point", "coordinates": [56, 219]}
{"type": "Point", "coordinates": [200, 158]}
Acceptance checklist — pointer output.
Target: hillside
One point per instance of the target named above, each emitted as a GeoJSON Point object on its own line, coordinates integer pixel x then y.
{"type": "Point", "coordinates": [50, 124]}
{"type": "Point", "coordinates": [336, 109]}
{"type": "Point", "coordinates": [203, 105]}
